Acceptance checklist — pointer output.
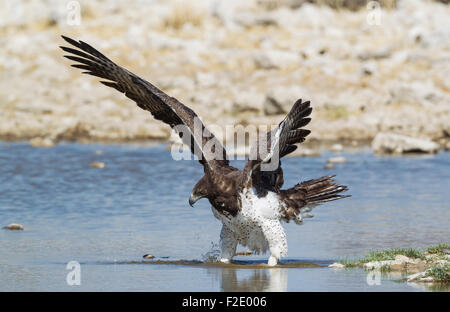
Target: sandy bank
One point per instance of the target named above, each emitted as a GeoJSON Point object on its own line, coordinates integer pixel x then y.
{"type": "Point", "coordinates": [233, 64]}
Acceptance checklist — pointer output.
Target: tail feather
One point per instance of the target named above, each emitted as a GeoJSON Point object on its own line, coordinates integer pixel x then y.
{"type": "Point", "coordinates": [320, 190]}
{"type": "Point", "coordinates": [326, 196]}
{"type": "Point", "coordinates": [299, 200]}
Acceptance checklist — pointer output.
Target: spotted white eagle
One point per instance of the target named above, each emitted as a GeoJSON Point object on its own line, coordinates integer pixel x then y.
{"type": "Point", "coordinates": [249, 202]}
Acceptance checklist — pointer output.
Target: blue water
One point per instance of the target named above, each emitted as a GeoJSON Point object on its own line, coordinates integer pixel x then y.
{"type": "Point", "coordinates": [107, 219]}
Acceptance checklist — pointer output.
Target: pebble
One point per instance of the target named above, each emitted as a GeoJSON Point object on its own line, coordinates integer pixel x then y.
{"type": "Point", "coordinates": [337, 148]}
{"type": "Point", "coordinates": [402, 258]}
{"type": "Point", "coordinates": [305, 152]}
{"type": "Point", "coordinates": [42, 142]}
{"type": "Point", "coordinates": [376, 265]}
{"type": "Point", "coordinates": [447, 146]}
{"type": "Point", "coordinates": [427, 279]}
{"type": "Point", "coordinates": [14, 227]}
{"type": "Point", "coordinates": [415, 276]}
{"type": "Point", "coordinates": [244, 253]}
{"type": "Point", "coordinates": [337, 160]}
{"type": "Point", "coordinates": [98, 164]}
{"type": "Point", "coordinates": [337, 265]}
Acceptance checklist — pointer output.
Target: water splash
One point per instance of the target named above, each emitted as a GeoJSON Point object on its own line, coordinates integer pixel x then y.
{"type": "Point", "coordinates": [213, 254]}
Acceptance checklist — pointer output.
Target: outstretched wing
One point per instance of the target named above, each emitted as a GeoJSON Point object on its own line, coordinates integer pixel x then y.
{"type": "Point", "coordinates": [179, 117]}
{"type": "Point", "coordinates": [263, 169]}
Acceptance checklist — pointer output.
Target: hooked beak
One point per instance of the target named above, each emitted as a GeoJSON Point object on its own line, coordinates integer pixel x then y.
{"type": "Point", "coordinates": [193, 199]}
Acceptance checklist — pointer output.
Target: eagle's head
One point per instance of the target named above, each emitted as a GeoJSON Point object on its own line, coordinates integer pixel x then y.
{"type": "Point", "coordinates": [199, 191]}
{"type": "Point", "coordinates": [221, 194]}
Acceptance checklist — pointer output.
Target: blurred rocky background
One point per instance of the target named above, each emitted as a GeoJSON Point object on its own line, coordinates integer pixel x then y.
{"type": "Point", "coordinates": [369, 68]}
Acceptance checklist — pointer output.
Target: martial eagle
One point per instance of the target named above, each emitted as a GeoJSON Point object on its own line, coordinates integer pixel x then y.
{"type": "Point", "coordinates": [250, 202]}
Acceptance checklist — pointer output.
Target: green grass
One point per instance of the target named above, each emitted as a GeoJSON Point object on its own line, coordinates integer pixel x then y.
{"type": "Point", "coordinates": [440, 273]}
{"type": "Point", "coordinates": [391, 253]}
{"type": "Point", "coordinates": [385, 268]}
{"type": "Point", "coordinates": [350, 263]}
{"type": "Point", "coordinates": [354, 5]}
{"type": "Point", "coordinates": [438, 249]}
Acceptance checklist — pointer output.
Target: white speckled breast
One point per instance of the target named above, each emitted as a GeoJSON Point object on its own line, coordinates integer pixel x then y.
{"type": "Point", "coordinates": [246, 225]}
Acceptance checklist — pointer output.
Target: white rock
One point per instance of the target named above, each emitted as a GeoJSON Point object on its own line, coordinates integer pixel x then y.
{"type": "Point", "coordinates": [442, 262]}
{"type": "Point", "coordinates": [225, 10]}
{"type": "Point", "coordinates": [396, 143]}
{"type": "Point", "coordinates": [337, 265]}
{"type": "Point", "coordinates": [402, 259]}
{"type": "Point", "coordinates": [248, 19]}
{"type": "Point", "coordinates": [447, 146]}
{"type": "Point", "coordinates": [415, 276]}
{"type": "Point", "coordinates": [248, 101]}
{"type": "Point", "coordinates": [381, 53]}
{"type": "Point", "coordinates": [304, 152]}
{"type": "Point", "coordinates": [182, 82]}
{"type": "Point", "coordinates": [404, 95]}
{"type": "Point", "coordinates": [369, 68]}
{"type": "Point", "coordinates": [205, 80]}
{"type": "Point", "coordinates": [98, 164]}
{"type": "Point", "coordinates": [42, 142]}
{"type": "Point", "coordinates": [14, 227]}
{"type": "Point", "coordinates": [427, 279]}
{"type": "Point", "coordinates": [376, 265]}
{"type": "Point", "coordinates": [416, 34]}
{"type": "Point", "coordinates": [337, 160]}
{"type": "Point", "coordinates": [275, 59]}
{"type": "Point", "coordinates": [337, 148]}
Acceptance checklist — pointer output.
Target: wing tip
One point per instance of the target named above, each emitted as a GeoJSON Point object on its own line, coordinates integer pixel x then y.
{"type": "Point", "coordinates": [70, 40]}
{"type": "Point", "coordinates": [299, 102]}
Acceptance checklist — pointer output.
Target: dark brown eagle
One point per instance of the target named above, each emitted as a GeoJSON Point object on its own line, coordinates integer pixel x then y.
{"type": "Point", "coordinates": [249, 202]}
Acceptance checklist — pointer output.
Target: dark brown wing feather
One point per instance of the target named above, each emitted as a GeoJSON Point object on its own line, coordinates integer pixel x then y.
{"type": "Point", "coordinates": [150, 98]}
{"type": "Point", "coordinates": [278, 143]}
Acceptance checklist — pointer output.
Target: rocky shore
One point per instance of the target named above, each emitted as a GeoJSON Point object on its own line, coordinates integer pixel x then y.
{"type": "Point", "coordinates": [233, 62]}
{"type": "Point", "coordinates": [430, 266]}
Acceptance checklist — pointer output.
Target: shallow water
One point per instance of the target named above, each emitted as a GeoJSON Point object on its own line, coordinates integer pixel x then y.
{"type": "Point", "coordinates": [107, 219]}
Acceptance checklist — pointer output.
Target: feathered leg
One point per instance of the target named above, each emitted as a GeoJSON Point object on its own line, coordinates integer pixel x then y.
{"type": "Point", "coordinates": [228, 244]}
{"type": "Point", "coordinates": [276, 237]}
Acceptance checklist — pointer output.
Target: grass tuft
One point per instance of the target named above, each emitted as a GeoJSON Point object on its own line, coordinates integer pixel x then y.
{"type": "Point", "coordinates": [354, 5]}
{"type": "Point", "coordinates": [183, 13]}
{"type": "Point", "coordinates": [350, 263]}
{"type": "Point", "coordinates": [390, 254]}
{"type": "Point", "coordinates": [440, 273]}
{"type": "Point", "coordinates": [385, 268]}
{"type": "Point", "coordinates": [438, 249]}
